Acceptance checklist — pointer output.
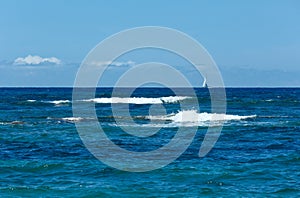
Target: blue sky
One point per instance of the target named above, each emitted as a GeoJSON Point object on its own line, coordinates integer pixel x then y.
{"type": "Point", "coordinates": [254, 43]}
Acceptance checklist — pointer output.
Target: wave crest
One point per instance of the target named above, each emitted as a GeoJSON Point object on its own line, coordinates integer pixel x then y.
{"type": "Point", "coordinates": [193, 116]}
{"type": "Point", "coordinates": [138, 100]}
{"type": "Point", "coordinates": [58, 102]}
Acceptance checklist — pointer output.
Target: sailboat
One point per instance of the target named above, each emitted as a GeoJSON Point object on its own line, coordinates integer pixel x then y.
{"type": "Point", "coordinates": [204, 83]}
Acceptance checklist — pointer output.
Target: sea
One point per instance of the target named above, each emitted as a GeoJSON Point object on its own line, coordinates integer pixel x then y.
{"type": "Point", "coordinates": [256, 155]}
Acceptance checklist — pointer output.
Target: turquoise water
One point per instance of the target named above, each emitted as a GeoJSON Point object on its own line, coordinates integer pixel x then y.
{"type": "Point", "coordinates": [42, 155]}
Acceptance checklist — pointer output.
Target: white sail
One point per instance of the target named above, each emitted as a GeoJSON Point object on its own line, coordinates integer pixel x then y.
{"type": "Point", "coordinates": [204, 83]}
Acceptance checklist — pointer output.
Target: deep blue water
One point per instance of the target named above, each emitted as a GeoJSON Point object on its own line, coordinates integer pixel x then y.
{"type": "Point", "coordinates": [42, 155]}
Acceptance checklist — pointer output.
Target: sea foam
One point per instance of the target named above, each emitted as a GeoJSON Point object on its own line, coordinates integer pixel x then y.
{"type": "Point", "coordinates": [193, 116]}
{"type": "Point", "coordinates": [138, 100]}
{"type": "Point", "coordinates": [73, 119]}
{"type": "Point", "coordinates": [58, 102]}
{"type": "Point", "coordinates": [31, 100]}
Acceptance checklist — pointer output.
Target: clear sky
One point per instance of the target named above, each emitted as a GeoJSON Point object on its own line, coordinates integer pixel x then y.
{"type": "Point", "coordinates": [254, 43]}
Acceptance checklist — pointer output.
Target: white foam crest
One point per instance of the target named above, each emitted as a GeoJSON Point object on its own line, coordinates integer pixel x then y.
{"type": "Point", "coordinates": [16, 122]}
{"type": "Point", "coordinates": [58, 102]}
{"type": "Point", "coordinates": [194, 117]}
{"type": "Point", "coordinates": [269, 100]}
{"type": "Point", "coordinates": [31, 100]}
{"type": "Point", "coordinates": [133, 100]}
{"type": "Point", "coordinates": [76, 119]}
{"type": "Point", "coordinates": [138, 100]}
{"type": "Point", "coordinates": [73, 119]}
{"type": "Point", "coordinates": [173, 99]}
{"type": "Point", "coordinates": [164, 125]}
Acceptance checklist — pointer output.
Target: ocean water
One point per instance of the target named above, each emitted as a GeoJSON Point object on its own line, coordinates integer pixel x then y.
{"type": "Point", "coordinates": [257, 154]}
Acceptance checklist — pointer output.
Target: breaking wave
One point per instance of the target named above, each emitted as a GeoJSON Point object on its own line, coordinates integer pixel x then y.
{"type": "Point", "coordinates": [16, 122]}
{"type": "Point", "coordinates": [139, 100]}
{"type": "Point", "coordinates": [31, 100]}
{"type": "Point", "coordinates": [193, 116]}
{"type": "Point", "coordinates": [73, 119]}
{"type": "Point", "coordinates": [58, 102]}
{"type": "Point", "coordinates": [55, 102]}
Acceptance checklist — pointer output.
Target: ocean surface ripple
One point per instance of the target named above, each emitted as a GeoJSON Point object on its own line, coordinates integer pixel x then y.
{"type": "Point", "coordinates": [257, 154]}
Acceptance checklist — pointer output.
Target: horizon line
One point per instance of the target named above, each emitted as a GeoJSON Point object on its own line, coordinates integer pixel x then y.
{"type": "Point", "coordinates": [160, 87]}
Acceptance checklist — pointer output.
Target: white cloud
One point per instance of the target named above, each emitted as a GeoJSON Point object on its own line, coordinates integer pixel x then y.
{"type": "Point", "coordinates": [36, 60]}
{"type": "Point", "coordinates": [110, 63]}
